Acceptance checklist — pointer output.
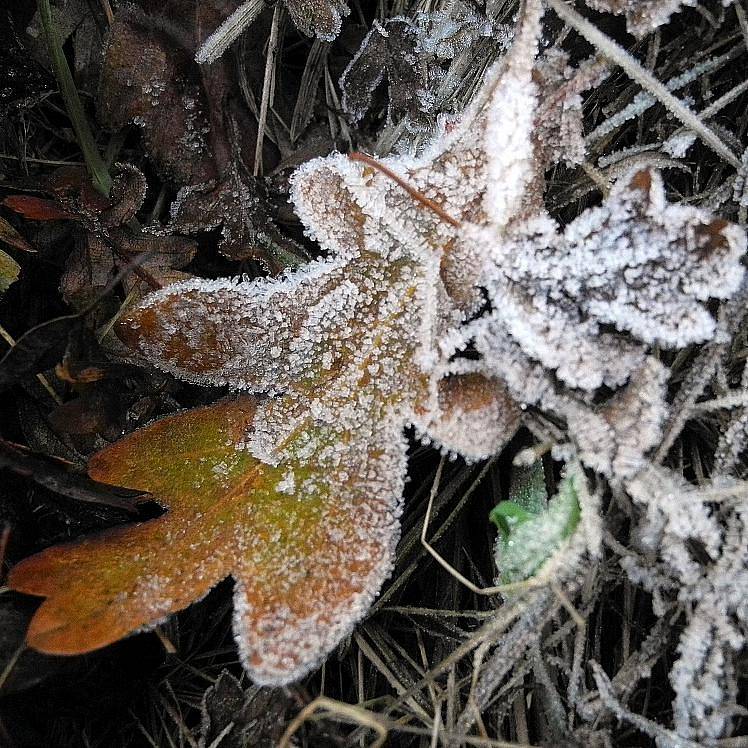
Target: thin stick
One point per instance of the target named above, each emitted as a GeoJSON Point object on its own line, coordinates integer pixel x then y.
{"type": "Point", "coordinates": [419, 197]}
{"type": "Point", "coordinates": [229, 31]}
{"type": "Point", "coordinates": [107, 8]}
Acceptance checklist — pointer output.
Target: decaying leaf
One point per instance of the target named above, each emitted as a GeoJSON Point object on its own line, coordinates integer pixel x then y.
{"type": "Point", "coordinates": [322, 18]}
{"type": "Point", "coordinates": [234, 717]}
{"type": "Point", "coordinates": [410, 54]}
{"type": "Point", "coordinates": [296, 496]}
{"type": "Point", "coordinates": [12, 238]}
{"type": "Point", "coordinates": [193, 127]}
{"type": "Point", "coordinates": [389, 51]}
{"type": "Point", "coordinates": [104, 244]}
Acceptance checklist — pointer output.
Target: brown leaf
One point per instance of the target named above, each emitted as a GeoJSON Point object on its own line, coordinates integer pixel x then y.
{"type": "Point", "coordinates": [37, 208]}
{"type": "Point", "coordinates": [389, 50]}
{"type": "Point", "coordinates": [194, 129]}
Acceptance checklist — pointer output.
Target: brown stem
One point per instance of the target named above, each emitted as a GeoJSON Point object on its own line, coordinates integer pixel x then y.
{"type": "Point", "coordinates": [412, 191]}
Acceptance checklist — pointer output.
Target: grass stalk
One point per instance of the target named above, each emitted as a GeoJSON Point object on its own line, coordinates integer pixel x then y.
{"type": "Point", "coordinates": [95, 164]}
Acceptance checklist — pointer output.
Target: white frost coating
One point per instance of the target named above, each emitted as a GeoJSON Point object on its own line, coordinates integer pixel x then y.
{"type": "Point", "coordinates": [636, 263]}
{"type": "Point", "coordinates": [614, 438]}
{"type": "Point", "coordinates": [509, 125]}
{"type": "Point", "coordinates": [642, 16]}
{"type": "Point", "coordinates": [713, 595]}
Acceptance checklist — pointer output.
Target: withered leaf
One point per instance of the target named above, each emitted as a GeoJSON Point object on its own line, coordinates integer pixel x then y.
{"type": "Point", "coordinates": [9, 271]}
{"type": "Point", "coordinates": [10, 236]}
{"type": "Point", "coordinates": [196, 132]}
{"type": "Point", "coordinates": [322, 18]}
{"type": "Point", "coordinates": [642, 16]}
{"type": "Point", "coordinates": [38, 349]}
{"type": "Point", "coordinates": [242, 716]}
{"type": "Point", "coordinates": [388, 50]}
{"type": "Point", "coordinates": [234, 205]}
{"type": "Point", "coordinates": [64, 478]}
{"type": "Point", "coordinates": [37, 208]}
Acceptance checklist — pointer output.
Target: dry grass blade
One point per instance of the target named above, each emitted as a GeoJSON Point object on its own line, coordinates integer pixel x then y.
{"type": "Point", "coordinates": [229, 31]}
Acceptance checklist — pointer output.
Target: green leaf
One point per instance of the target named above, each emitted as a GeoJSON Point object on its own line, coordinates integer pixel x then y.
{"type": "Point", "coordinates": [527, 540]}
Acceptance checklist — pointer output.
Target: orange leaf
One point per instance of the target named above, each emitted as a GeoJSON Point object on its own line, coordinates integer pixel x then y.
{"type": "Point", "coordinates": [37, 208]}
{"type": "Point", "coordinates": [303, 564]}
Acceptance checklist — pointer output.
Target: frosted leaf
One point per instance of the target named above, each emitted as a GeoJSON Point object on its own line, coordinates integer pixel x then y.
{"type": "Point", "coordinates": [548, 544]}
{"type": "Point", "coordinates": [320, 18]}
{"type": "Point", "coordinates": [297, 496]}
{"type": "Point", "coordinates": [409, 53]}
{"type": "Point", "coordinates": [642, 16]}
{"type": "Point", "coordinates": [474, 417]}
{"type": "Point", "coordinates": [635, 263]}
{"type": "Point", "coordinates": [558, 125]}
{"type": "Point", "coordinates": [614, 438]}
{"type": "Point", "coordinates": [387, 51]}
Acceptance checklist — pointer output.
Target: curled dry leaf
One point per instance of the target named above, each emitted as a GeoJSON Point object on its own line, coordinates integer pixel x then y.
{"type": "Point", "coordinates": [321, 18]}
{"type": "Point", "coordinates": [296, 496]}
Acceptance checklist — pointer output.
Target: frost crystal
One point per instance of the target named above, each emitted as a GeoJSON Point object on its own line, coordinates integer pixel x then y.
{"type": "Point", "coordinates": [642, 16]}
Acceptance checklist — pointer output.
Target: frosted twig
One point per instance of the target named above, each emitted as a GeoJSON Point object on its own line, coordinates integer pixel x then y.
{"type": "Point", "coordinates": [644, 78]}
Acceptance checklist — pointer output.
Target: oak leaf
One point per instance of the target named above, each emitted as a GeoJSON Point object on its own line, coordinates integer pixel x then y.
{"type": "Point", "coordinates": [297, 496]}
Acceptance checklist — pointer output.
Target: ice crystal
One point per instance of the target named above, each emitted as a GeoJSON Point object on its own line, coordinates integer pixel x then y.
{"type": "Point", "coordinates": [642, 16]}
{"type": "Point", "coordinates": [614, 438]}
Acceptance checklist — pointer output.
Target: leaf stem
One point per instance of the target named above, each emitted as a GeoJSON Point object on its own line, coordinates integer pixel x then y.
{"type": "Point", "coordinates": [95, 164]}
